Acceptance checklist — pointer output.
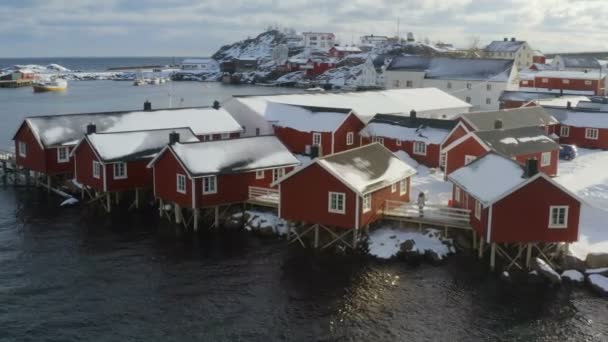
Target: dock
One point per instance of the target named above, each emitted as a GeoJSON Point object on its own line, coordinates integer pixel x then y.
{"type": "Point", "coordinates": [15, 83]}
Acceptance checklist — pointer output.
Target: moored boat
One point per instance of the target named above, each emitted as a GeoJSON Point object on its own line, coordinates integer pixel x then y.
{"type": "Point", "coordinates": [50, 85]}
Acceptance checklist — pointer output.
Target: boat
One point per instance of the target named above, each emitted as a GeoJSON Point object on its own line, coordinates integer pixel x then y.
{"type": "Point", "coordinates": [155, 80]}
{"type": "Point", "coordinates": [56, 84]}
{"type": "Point", "coordinates": [139, 82]}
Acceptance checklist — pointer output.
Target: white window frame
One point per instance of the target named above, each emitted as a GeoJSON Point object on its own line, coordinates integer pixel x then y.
{"type": "Point", "coordinates": [592, 133]}
{"type": "Point", "coordinates": [66, 157]}
{"type": "Point", "coordinates": [316, 139]}
{"type": "Point", "coordinates": [96, 169]}
{"type": "Point", "coordinates": [488, 101]}
{"type": "Point", "coordinates": [565, 81]}
{"type": "Point", "coordinates": [378, 140]}
{"type": "Point", "coordinates": [397, 142]}
{"type": "Point", "coordinates": [469, 86]}
{"type": "Point", "coordinates": [403, 187]}
{"type": "Point", "coordinates": [457, 194]}
{"type": "Point", "coordinates": [564, 131]}
{"type": "Point", "coordinates": [468, 159]}
{"type": "Point", "coordinates": [468, 99]}
{"type": "Point", "coordinates": [545, 80]}
{"type": "Point", "coordinates": [409, 84]}
{"type": "Point", "coordinates": [557, 225]}
{"type": "Point", "coordinates": [393, 187]}
{"type": "Point", "coordinates": [488, 87]}
{"type": "Point", "coordinates": [337, 195]}
{"type": "Point", "coordinates": [477, 210]}
{"type": "Point", "coordinates": [350, 138]}
{"type": "Point", "coordinates": [277, 174]}
{"type": "Point", "coordinates": [225, 136]}
{"type": "Point", "coordinates": [178, 187]}
{"type": "Point", "coordinates": [545, 159]}
{"type": "Point", "coordinates": [588, 82]}
{"type": "Point", "coordinates": [260, 174]}
{"type": "Point", "coordinates": [22, 149]}
{"type": "Point", "coordinates": [442, 159]}
{"type": "Point", "coordinates": [116, 171]}
{"type": "Point", "coordinates": [209, 185]}
{"type": "Point", "coordinates": [420, 148]}
{"type": "Point", "coordinates": [367, 203]}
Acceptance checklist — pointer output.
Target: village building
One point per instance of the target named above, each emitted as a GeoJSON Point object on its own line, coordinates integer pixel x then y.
{"type": "Point", "coordinates": [319, 40]}
{"type": "Point", "coordinates": [245, 64]}
{"type": "Point", "coordinates": [350, 189]}
{"type": "Point", "coordinates": [219, 173]}
{"type": "Point", "coordinates": [511, 118]}
{"type": "Point", "coordinates": [517, 50]}
{"type": "Point", "coordinates": [43, 143]}
{"type": "Point", "coordinates": [340, 52]}
{"type": "Point", "coordinates": [511, 99]}
{"type": "Point", "coordinates": [539, 58]}
{"type": "Point", "coordinates": [520, 144]}
{"type": "Point", "coordinates": [421, 138]}
{"type": "Point", "coordinates": [575, 63]}
{"type": "Point", "coordinates": [200, 65]}
{"type": "Point", "coordinates": [515, 204]}
{"type": "Point", "coordinates": [565, 82]}
{"type": "Point", "coordinates": [374, 41]}
{"type": "Point", "coordinates": [479, 82]}
{"type": "Point", "coordinates": [583, 123]}
{"type": "Point", "coordinates": [318, 65]}
{"type": "Point", "coordinates": [106, 163]}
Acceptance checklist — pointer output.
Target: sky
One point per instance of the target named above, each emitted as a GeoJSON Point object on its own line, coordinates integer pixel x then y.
{"type": "Point", "coordinates": [59, 28]}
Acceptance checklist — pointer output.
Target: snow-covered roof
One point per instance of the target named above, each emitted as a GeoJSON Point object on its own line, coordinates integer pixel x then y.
{"type": "Point", "coordinates": [525, 96]}
{"type": "Point", "coordinates": [586, 119]}
{"type": "Point", "coordinates": [405, 128]}
{"type": "Point", "coordinates": [578, 75]}
{"type": "Point", "coordinates": [518, 141]}
{"type": "Point", "coordinates": [427, 102]}
{"type": "Point", "coordinates": [479, 178]}
{"type": "Point", "coordinates": [579, 62]}
{"type": "Point", "coordinates": [347, 48]}
{"type": "Point", "coordinates": [68, 129]}
{"type": "Point", "coordinates": [367, 169]}
{"type": "Point", "coordinates": [234, 155]}
{"type": "Point", "coordinates": [497, 70]}
{"type": "Point", "coordinates": [125, 146]}
{"type": "Point", "coordinates": [511, 118]}
{"type": "Point", "coordinates": [563, 101]}
{"type": "Point", "coordinates": [505, 46]}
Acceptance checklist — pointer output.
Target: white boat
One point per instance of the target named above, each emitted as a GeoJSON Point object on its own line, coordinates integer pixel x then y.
{"type": "Point", "coordinates": [139, 82]}
{"type": "Point", "coordinates": [319, 89]}
{"type": "Point", "coordinates": [155, 80]}
{"type": "Point", "coordinates": [56, 84]}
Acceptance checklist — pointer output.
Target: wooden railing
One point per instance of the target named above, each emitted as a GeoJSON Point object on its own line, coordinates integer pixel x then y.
{"type": "Point", "coordinates": [6, 155]}
{"type": "Point", "coordinates": [264, 195]}
{"type": "Point", "coordinates": [429, 212]}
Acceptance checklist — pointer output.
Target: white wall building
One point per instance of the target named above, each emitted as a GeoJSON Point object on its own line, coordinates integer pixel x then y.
{"type": "Point", "coordinates": [478, 82]}
{"type": "Point", "coordinates": [200, 64]}
{"type": "Point", "coordinates": [374, 41]}
{"type": "Point", "coordinates": [519, 51]}
{"type": "Point", "coordinates": [319, 40]}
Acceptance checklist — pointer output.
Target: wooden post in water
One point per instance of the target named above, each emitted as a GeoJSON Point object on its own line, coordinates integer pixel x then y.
{"type": "Point", "coordinates": [136, 198]}
{"type": "Point", "coordinates": [528, 255]}
{"type": "Point", "coordinates": [195, 219]}
{"type": "Point", "coordinates": [217, 217]}
{"type": "Point", "coordinates": [480, 254]}
{"type": "Point", "coordinates": [493, 256]}
{"type": "Point", "coordinates": [178, 213]}
{"type": "Point", "coordinates": [48, 183]}
{"type": "Point", "coordinates": [108, 202]}
{"type": "Point", "coordinates": [316, 242]}
{"type": "Point", "coordinates": [161, 207]}
{"type": "Point", "coordinates": [474, 239]}
{"type": "Point", "coordinates": [4, 173]}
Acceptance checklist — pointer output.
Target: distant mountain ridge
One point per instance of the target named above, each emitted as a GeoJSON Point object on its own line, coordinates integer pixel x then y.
{"type": "Point", "coordinates": [259, 47]}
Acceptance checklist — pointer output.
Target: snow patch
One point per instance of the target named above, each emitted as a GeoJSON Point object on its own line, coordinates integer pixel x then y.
{"type": "Point", "coordinates": [573, 275]}
{"type": "Point", "coordinates": [69, 201]}
{"type": "Point", "coordinates": [385, 243]}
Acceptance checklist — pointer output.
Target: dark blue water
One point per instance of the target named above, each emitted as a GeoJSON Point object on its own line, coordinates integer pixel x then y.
{"type": "Point", "coordinates": [93, 63]}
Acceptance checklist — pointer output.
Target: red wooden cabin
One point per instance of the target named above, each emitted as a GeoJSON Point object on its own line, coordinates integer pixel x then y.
{"type": "Point", "coordinates": [421, 138]}
{"type": "Point", "coordinates": [43, 143]}
{"type": "Point", "coordinates": [584, 129]}
{"type": "Point", "coordinates": [519, 144]}
{"type": "Point", "coordinates": [216, 173]}
{"type": "Point", "coordinates": [113, 162]}
{"type": "Point", "coordinates": [511, 203]}
{"type": "Point", "coordinates": [315, 68]}
{"type": "Point", "coordinates": [343, 51]}
{"type": "Point", "coordinates": [349, 189]}
{"type": "Point", "coordinates": [591, 82]}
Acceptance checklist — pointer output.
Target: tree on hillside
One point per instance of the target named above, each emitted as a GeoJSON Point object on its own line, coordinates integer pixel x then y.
{"type": "Point", "coordinates": [474, 49]}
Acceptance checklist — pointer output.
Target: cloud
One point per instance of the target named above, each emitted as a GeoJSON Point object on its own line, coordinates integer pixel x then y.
{"type": "Point", "coordinates": [197, 28]}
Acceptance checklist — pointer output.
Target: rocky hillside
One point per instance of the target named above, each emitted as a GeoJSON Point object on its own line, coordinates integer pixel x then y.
{"type": "Point", "coordinates": [259, 47]}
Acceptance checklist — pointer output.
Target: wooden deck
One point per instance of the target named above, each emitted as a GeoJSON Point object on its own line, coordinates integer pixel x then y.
{"type": "Point", "coordinates": [264, 197]}
{"type": "Point", "coordinates": [15, 83]}
{"type": "Point", "coordinates": [435, 215]}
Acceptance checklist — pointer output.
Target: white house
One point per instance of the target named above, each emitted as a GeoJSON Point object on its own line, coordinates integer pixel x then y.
{"type": "Point", "coordinates": [479, 82]}
{"type": "Point", "coordinates": [319, 40]}
{"type": "Point", "coordinates": [200, 64]}
{"type": "Point", "coordinates": [517, 50]}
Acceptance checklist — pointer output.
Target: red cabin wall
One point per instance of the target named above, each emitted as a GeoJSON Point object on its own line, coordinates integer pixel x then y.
{"type": "Point", "coordinates": [351, 124]}
{"type": "Point", "coordinates": [431, 159]}
{"type": "Point", "coordinates": [550, 170]}
{"type": "Point", "coordinates": [83, 169]}
{"type": "Point", "coordinates": [574, 84]}
{"type": "Point", "coordinates": [165, 171]}
{"type": "Point", "coordinates": [577, 137]}
{"type": "Point", "coordinates": [53, 166]}
{"type": "Point", "coordinates": [138, 176]}
{"type": "Point", "coordinates": [35, 158]}
{"type": "Point", "coordinates": [296, 141]}
{"type": "Point", "coordinates": [523, 216]}
{"type": "Point", "coordinates": [302, 202]}
{"type": "Point", "coordinates": [465, 201]}
{"type": "Point", "coordinates": [455, 157]}
{"type": "Point", "coordinates": [379, 198]}
{"type": "Point", "coordinates": [457, 134]}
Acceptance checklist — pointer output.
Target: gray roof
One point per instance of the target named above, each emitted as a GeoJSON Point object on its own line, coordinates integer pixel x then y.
{"type": "Point", "coordinates": [504, 46]}
{"type": "Point", "coordinates": [580, 62]}
{"type": "Point", "coordinates": [511, 118]}
{"type": "Point", "coordinates": [518, 141]}
{"type": "Point", "coordinates": [516, 95]}
{"type": "Point", "coordinates": [477, 69]}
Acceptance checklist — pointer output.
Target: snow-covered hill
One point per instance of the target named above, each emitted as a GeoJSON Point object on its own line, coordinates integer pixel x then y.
{"type": "Point", "coordinates": [259, 47]}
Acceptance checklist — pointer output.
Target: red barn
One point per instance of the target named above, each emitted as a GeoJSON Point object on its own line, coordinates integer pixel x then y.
{"type": "Point", "coordinates": [117, 162]}
{"type": "Point", "coordinates": [316, 67]}
{"type": "Point", "coordinates": [520, 144]}
{"type": "Point", "coordinates": [514, 204]}
{"type": "Point", "coordinates": [421, 138]}
{"type": "Point", "coordinates": [343, 51]}
{"type": "Point", "coordinates": [584, 129]}
{"type": "Point", "coordinates": [350, 188]}
{"type": "Point", "coordinates": [218, 173]}
{"type": "Point", "coordinates": [591, 82]}
{"type": "Point", "coordinates": [44, 143]}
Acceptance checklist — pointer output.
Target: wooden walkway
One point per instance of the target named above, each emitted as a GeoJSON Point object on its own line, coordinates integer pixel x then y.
{"type": "Point", "coordinates": [435, 215]}
{"type": "Point", "coordinates": [264, 197]}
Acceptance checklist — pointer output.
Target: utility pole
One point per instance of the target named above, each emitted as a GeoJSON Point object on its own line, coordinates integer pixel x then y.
{"type": "Point", "coordinates": [398, 33]}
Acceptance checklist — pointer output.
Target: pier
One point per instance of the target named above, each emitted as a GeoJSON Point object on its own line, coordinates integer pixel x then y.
{"type": "Point", "coordinates": [15, 83]}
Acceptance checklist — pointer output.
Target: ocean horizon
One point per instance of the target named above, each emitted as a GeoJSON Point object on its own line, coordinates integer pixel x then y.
{"type": "Point", "coordinates": [92, 63]}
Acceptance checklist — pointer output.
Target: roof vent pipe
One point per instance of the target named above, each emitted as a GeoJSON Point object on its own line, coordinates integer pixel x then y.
{"type": "Point", "coordinates": [506, 39]}
{"type": "Point", "coordinates": [147, 106]}
{"type": "Point", "coordinates": [498, 124]}
{"type": "Point", "coordinates": [512, 39]}
{"type": "Point", "coordinates": [91, 128]}
{"type": "Point", "coordinates": [531, 168]}
{"type": "Point", "coordinates": [569, 105]}
{"type": "Point", "coordinates": [216, 104]}
{"type": "Point", "coordinates": [413, 115]}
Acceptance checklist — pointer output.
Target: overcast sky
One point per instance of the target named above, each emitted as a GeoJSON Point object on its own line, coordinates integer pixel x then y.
{"type": "Point", "coordinates": [41, 28]}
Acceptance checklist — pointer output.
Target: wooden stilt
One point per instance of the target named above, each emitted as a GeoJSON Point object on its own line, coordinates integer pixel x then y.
{"type": "Point", "coordinates": [48, 184]}
{"type": "Point", "coordinates": [136, 198]}
{"type": "Point", "coordinates": [480, 253]}
{"type": "Point", "coordinates": [108, 202]}
{"type": "Point", "coordinates": [316, 243]}
{"type": "Point", "coordinates": [528, 255]}
{"type": "Point", "coordinates": [116, 197]}
{"type": "Point", "coordinates": [81, 192]}
{"type": "Point", "coordinates": [217, 217]}
{"type": "Point", "coordinates": [195, 223]}
{"type": "Point", "coordinates": [355, 237]}
{"type": "Point", "coordinates": [474, 239]}
{"type": "Point", "coordinates": [161, 207]}
{"type": "Point", "coordinates": [178, 213]}
{"type": "Point", "coordinates": [493, 256]}
{"type": "Point", "coordinates": [445, 231]}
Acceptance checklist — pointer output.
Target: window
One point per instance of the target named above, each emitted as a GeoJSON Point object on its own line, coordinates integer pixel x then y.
{"type": "Point", "coordinates": [257, 131]}
{"type": "Point", "coordinates": [420, 148]}
{"type": "Point", "coordinates": [469, 86]}
{"type": "Point", "coordinates": [22, 149]}
{"type": "Point", "coordinates": [545, 159]}
{"type": "Point", "coordinates": [449, 85]}
{"type": "Point", "coordinates": [244, 129]}
{"type": "Point", "coordinates": [566, 81]}
{"type": "Point", "coordinates": [120, 171]}
{"type": "Point", "coordinates": [442, 159]}
{"type": "Point", "coordinates": [457, 194]}
{"type": "Point", "coordinates": [259, 174]}
{"type": "Point", "coordinates": [277, 174]}
{"type": "Point", "coordinates": [409, 84]}
{"type": "Point", "coordinates": [477, 210]}
{"type": "Point", "coordinates": [488, 87]}
{"type": "Point", "coordinates": [394, 187]}
{"type": "Point", "coordinates": [402, 187]}
{"type": "Point", "coordinates": [564, 131]}
{"type": "Point", "coordinates": [591, 133]}
{"type": "Point", "coordinates": [524, 82]}
{"type": "Point", "coordinates": [468, 159]}
{"type": "Point", "coordinates": [558, 216]}
{"type": "Point", "coordinates": [398, 142]}
{"type": "Point", "coordinates": [181, 184]}
{"type": "Point", "coordinates": [396, 83]}
{"type": "Point", "coordinates": [208, 137]}
{"type": "Point", "coordinates": [350, 138]}
{"type": "Point", "coordinates": [210, 185]}
{"type": "Point", "coordinates": [488, 100]}
{"type": "Point", "coordinates": [225, 136]}
{"type": "Point", "coordinates": [587, 82]}
{"type": "Point", "coordinates": [96, 169]}
{"type": "Point", "coordinates": [545, 80]}
{"type": "Point", "coordinates": [63, 154]}
{"type": "Point", "coordinates": [316, 139]}
{"type": "Point", "coordinates": [367, 203]}
{"type": "Point", "coordinates": [468, 99]}
{"type": "Point", "coordinates": [336, 202]}
{"type": "Point", "coordinates": [378, 140]}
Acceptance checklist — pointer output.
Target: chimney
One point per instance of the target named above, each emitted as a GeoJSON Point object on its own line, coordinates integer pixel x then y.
{"type": "Point", "coordinates": [216, 105]}
{"type": "Point", "coordinates": [173, 138]}
{"type": "Point", "coordinates": [531, 168]}
{"type": "Point", "coordinates": [512, 39]}
{"type": "Point", "coordinates": [569, 105]}
{"type": "Point", "coordinates": [91, 128]}
{"type": "Point", "coordinates": [147, 106]}
{"type": "Point", "coordinates": [413, 116]}
{"type": "Point", "coordinates": [498, 124]}
{"type": "Point", "coordinates": [506, 39]}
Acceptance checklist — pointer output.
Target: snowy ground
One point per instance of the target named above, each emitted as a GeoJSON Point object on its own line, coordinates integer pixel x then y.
{"type": "Point", "coordinates": [385, 242]}
{"type": "Point", "coordinates": [587, 176]}
{"type": "Point", "coordinates": [429, 181]}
